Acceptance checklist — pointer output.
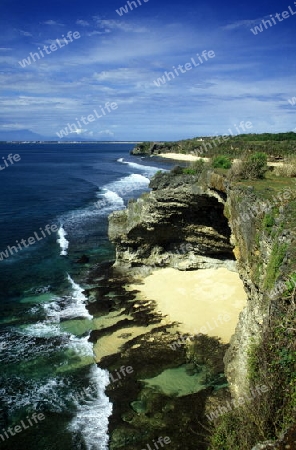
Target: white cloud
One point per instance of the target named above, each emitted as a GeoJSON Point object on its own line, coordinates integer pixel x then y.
{"type": "Point", "coordinates": [122, 75]}
{"type": "Point", "coordinates": [12, 126]}
{"type": "Point", "coordinates": [243, 23]}
{"type": "Point", "coordinates": [106, 133]}
{"type": "Point", "coordinates": [112, 24]}
{"type": "Point", "coordinates": [79, 131]}
{"type": "Point", "coordinates": [93, 33]}
{"type": "Point", "coordinates": [240, 83]}
{"type": "Point", "coordinates": [25, 33]}
{"type": "Point", "coordinates": [52, 22]}
{"type": "Point", "coordinates": [83, 23]}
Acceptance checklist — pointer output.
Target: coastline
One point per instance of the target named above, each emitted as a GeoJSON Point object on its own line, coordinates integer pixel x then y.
{"type": "Point", "coordinates": [171, 326]}
{"type": "Point", "coordinates": [182, 157]}
{"type": "Point", "coordinates": [168, 388]}
{"type": "Point", "coordinates": [192, 158]}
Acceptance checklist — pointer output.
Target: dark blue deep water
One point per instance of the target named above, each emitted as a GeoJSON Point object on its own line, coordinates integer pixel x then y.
{"type": "Point", "coordinates": [46, 359]}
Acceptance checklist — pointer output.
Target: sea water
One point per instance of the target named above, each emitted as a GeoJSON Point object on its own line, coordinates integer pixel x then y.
{"type": "Point", "coordinates": [44, 368]}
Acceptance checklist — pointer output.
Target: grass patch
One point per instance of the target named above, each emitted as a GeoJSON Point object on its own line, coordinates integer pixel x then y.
{"type": "Point", "coordinates": [276, 259]}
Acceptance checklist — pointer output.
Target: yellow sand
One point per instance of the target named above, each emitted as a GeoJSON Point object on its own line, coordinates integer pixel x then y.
{"type": "Point", "coordinates": [181, 157]}
{"type": "Point", "coordinates": [204, 301]}
{"type": "Point", "coordinates": [107, 345]}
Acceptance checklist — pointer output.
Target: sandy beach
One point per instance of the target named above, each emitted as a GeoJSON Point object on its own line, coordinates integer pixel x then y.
{"type": "Point", "coordinates": [204, 301]}
{"type": "Point", "coordinates": [181, 157]}
{"type": "Point", "coordinates": [192, 158]}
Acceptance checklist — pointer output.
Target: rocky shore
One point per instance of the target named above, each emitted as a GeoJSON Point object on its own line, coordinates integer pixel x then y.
{"type": "Point", "coordinates": [168, 380]}
{"type": "Point", "coordinates": [165, 390]}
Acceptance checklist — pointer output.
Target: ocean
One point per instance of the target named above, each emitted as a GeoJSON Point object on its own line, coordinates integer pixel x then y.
{"type": "Point", "coordinates": [54, 204]}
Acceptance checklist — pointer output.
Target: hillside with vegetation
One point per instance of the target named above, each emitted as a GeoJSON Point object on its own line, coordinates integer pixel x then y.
{"type": "Point", "coordinates": [275, 146]}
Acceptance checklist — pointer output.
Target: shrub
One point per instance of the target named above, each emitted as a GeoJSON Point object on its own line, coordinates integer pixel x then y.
{"type": "Point", "coordinates": [252, 168]}
{"type": "Point", "coordinates": [256, 165]}
{"type": "Point", "coordinates": [198, 166]}
{"type": "Point", "coordinates": [236, 170]}
{"type": "Point", "coordinates": [287, 169]}
{"type": "Point", "coordinates": [221, 162]}
{"type": "Point", "coordinates": [195, 167]}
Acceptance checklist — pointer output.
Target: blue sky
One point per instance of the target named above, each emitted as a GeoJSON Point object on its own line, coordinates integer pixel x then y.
{"type": "Point", "coordinates": [117, 58]}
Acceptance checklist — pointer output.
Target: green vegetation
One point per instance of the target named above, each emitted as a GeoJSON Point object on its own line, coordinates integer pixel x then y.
{"type": "Point", "coordinates": [275, 146]}
{"type": "Point", "coordinates": [144, 147]}
{"type": "Point", "coordinates": [251, 168]}
{"type": "Point", "coordinates": [275, 261]}
{"type": "Point", "coordinates": [221, 162]}
{"type": "Point", "coordinates": [256, 165]}
{"type": "Point", "coordinates": [290, 285]}
{"type": "Point", "coordinates": [225, 435]}
{"type": "Point", "coordinates": [268, 223]}
{"type": "Point", "coordinates": [195, 168]}
{"type": "Point", "coordinates": [271, 362]}
{"type": "Point", "coordinates": [272, 356]}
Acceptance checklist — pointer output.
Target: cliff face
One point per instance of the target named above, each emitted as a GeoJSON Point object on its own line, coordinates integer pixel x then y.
{"type": "Point", "coordinates": [214, 221]}
{"type": "Point", "coordinates": [151, 148]}
{"type": "Point", "coordinates": [180, 223]}
{"type": "Point", "coordinates": [263, 259]}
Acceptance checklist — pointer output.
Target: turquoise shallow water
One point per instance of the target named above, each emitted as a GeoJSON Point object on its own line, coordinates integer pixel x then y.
{"type": "Point", "coordinates": [46, 359]}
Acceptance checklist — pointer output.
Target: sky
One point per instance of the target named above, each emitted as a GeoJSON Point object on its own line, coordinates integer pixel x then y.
{"type": "Point", "coordinates": [111, 80]}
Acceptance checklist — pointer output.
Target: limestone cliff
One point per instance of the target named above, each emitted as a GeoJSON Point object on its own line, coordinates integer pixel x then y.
{"type": "Point", "coordinates": [180, 223]}
{"type": "Point", "coordinates": [215, 221]}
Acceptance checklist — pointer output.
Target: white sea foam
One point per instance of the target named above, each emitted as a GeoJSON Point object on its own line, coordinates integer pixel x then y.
{"type": "Point", "coordinates": [124, 182]}
{"type": "Point", "coordinates": [149, 169]}
{"type": "Point", "coordinates": [91, 420]}
{"type": "Point", "coordinates": [81, 346]}
{"type": "Point", "coordinates": [43, 329]}
{"type": "Point", "coordinates": [110, 200]}
{"type": "Point", "coordinates": [112, 197]}
{"type": "Point", "coordinates": [79, 301]}
{"type": "Point", "coordinates": [69, 307]}
{"type": "Point", "coordinates": [64, 244]}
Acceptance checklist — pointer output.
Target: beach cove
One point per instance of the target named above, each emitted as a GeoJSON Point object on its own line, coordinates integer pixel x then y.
{"type": "Point", "coordinates": [204, 301]}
